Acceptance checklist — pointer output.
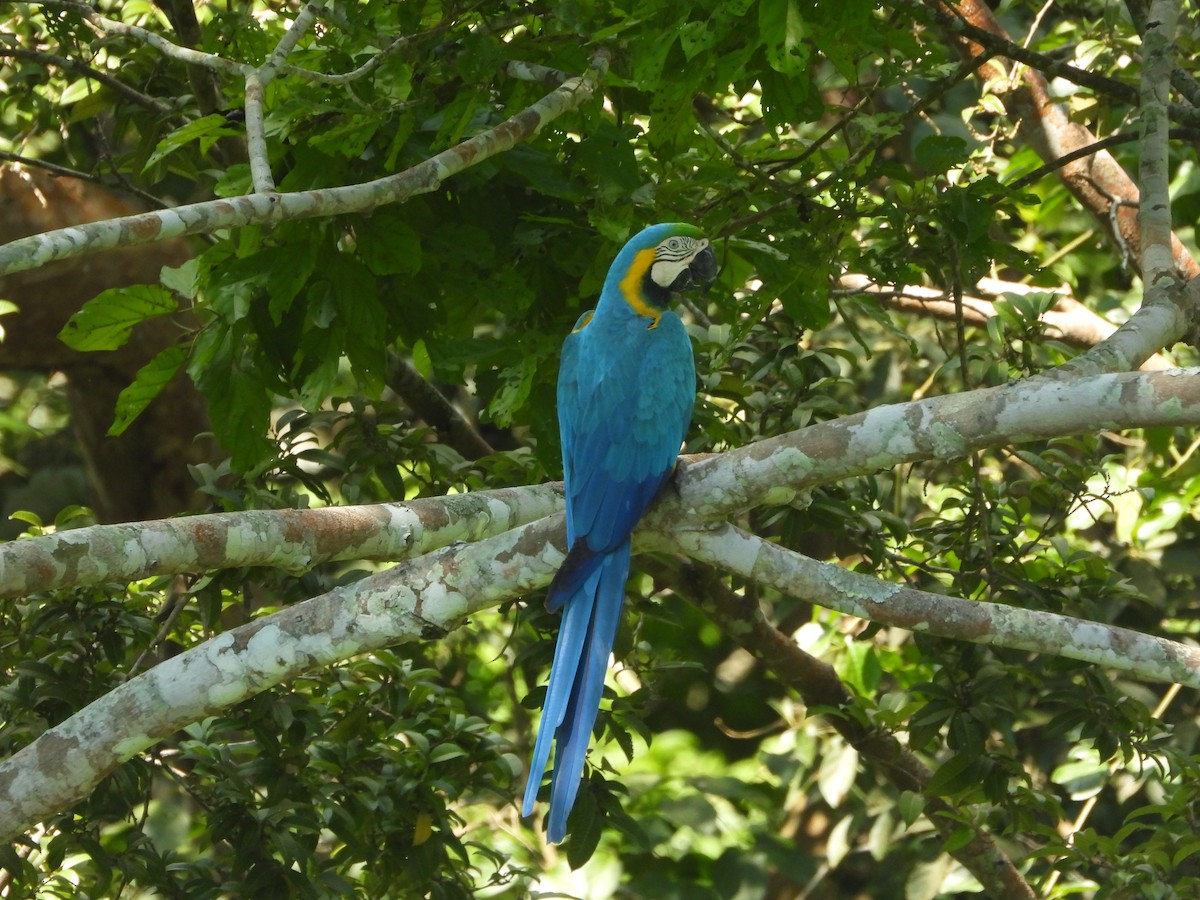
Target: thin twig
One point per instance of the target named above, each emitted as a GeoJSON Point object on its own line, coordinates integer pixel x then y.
{"type": "Point", "coordinates": [1113, 140]}
{"type": "Point", "coordinates": [65, 172]}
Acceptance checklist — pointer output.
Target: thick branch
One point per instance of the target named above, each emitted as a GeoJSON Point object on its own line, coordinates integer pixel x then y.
{"type": "Point", "coordinates": [438, 590]}
{"type": "Point", "coordinates": [291, 539]}
{"type": "Point", "coordinates": [819, 686]}
{"type": "Point", "coordinates": [1068, 320]}
{"type": "Point", "coordinates": [264, 208]}
{"type": "Point", "coordinates": [980, 622]}
{"type": "Point", "coordinates": [423, 598]}
{"type": "Point", "coordinates": [1154, 214]}
{"type": "Point", "coordinates": [778, 470]}
{"type": "Point", "coordinates": [1181, 79]}
{"type": "Point", "coordinates": [256, 135]}
{"type": "Point", "coordinates": [773, 471]}
{"type": "Point", "coordinates": [417, 600]}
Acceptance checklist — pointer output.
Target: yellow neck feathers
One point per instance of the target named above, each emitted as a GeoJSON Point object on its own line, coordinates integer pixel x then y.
{"type": "Point", "coordinates": [631, 285]}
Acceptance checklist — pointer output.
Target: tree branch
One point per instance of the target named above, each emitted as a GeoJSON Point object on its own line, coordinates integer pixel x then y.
{"type": "Point", "coordinates": [78, 66]}
{"type": "Point", "coordinates": [1154, 213]}
{"type": "Point", "coordinates": [293, 540]}
{"type": "Point", "coordinates": [961, 18]}
{"type": "Point", "coordinates": [1181, 79]}
{"type": "Point", "coordinates": [420, 599]}
{"type": "Point", "coordinates": [1068, 320]}
{"type": "Point", "coordinates": [818, 685]}
{"type": "Point", "coordinates": [103, 26]}
{"type": "Point", "coordinates": [977, 621]}
{"type": "Point", "coordinates": [256, 83]}
{"type": "Point", "coordinates": [1113, 140]}
{"type": "Point", "coordinates": [774, 471]}
{"type": "Point", "coordinates": [1097, 181]}
{"type": "Point", "coordinates": [264, 208]}
{"type": "Point", "coordinates": [778, 470]}
{"type": "Point", "coordinates": [431, 405]}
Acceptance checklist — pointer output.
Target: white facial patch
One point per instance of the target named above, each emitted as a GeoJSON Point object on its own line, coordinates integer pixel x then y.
{"type": "Point", "coordinates": [674, 255]}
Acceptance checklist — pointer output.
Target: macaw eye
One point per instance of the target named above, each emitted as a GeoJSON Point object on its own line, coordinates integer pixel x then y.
{"type": "Point", "coordinates": [674, 244]}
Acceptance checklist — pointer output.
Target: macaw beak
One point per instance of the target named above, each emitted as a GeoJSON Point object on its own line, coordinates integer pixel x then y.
{"type": "Point", "coordinates": [701, 272]}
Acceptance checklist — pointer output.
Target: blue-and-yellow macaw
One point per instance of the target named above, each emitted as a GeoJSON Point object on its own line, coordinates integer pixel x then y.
{"type": "Point", "coordinates": [626, 388]}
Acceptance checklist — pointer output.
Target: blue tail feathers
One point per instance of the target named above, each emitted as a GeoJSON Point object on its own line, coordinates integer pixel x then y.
{"type": "Point", "coordinates": [589, 627]}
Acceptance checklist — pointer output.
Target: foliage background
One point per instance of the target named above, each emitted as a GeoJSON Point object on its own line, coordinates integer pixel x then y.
{"type": "Point", "coordinates": [810, 140]}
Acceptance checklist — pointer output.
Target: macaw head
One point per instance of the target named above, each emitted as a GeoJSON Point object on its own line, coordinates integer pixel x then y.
{"type": "Point", "coordinates": [659, 261]}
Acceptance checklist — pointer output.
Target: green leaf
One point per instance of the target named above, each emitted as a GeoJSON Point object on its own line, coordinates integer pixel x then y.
{"type": "Point", "coordinates": [388, 244]}
{"type": "Point", "coordinates": [79, 90]}
{"type": "Point", "coordinates": [207, 130]}
{"type": "Point", "coordinates": [363, 317]}
{"type": "Point", "coordinates": [517, 382]}
{"type": "Point", "coordinates": [860, 668]}
{"type": "Point", "coordinates": [288, 270]}
{"type": "Point", "coordinates": [911, 805]}
{"type": "Point", "coordinates": [421, 360]}
{"type": "Point", "coordinates": [783, 31]}
{"type": "Point", "coordinates": [956, 774]}
{"type": "Point", "coordinates": [29, 518]}
{"type": "Point", "coordinates": [586, 826]}
{"type": "Point", "coordinates": [239, 403]}
{"type": "Point", "coordinates": [105, 322]}
{"type": "Point", "coordinates": [182, 278]}
{"type": "Point", "coordinates": [349, 137]}
{"type": "Point", "coordinates": [444, 752]}
{"type": "Point", "coordinates": [147, 384]}
{"type": "Point", "coordinates": [940, 152]}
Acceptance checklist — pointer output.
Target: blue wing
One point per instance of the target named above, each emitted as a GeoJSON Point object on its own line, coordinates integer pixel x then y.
{"type": "Point", "coordinates": [625, 399]}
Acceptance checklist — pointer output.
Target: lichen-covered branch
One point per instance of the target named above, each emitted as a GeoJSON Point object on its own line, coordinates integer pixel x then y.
{"type": "Point", "coordinates": [819, 686]}
{"type": "Point", "coordinates": [256, 135]}
{"type": "Point", "coordinates": [778, 470]}
{"type": "Point", "coordinates": [269, 208]}
{"type": "Point", "coordinates": [1154, 215]}
{"type": "Point", "coordinates": [420, 599]}
{"type": "Point", "coordinates": [291, 539]}
{"type": "Point", "coordinates": [978, 621]}
{"type": "Point", "coordinates": [712, 488]}
{"type": "Point", "coordinates": [256, 83]}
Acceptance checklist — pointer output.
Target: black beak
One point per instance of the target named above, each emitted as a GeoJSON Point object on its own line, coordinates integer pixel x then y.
{"type": "Point", "coordinates": [701, 272]}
